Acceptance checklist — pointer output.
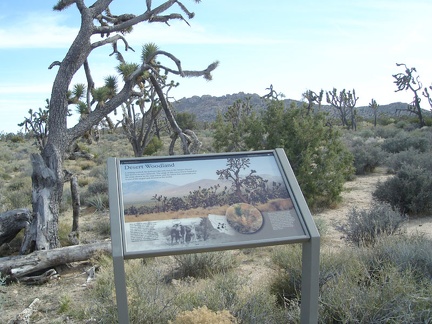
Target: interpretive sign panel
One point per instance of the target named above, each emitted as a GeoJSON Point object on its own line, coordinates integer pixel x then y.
{"type": "Point", "coordinates": [207, 202]}
{"type": "Point", "coordinates": [197, 203]}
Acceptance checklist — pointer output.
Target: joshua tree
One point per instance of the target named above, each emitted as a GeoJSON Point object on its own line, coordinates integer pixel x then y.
{"type": "Point", "coordinates": [344, 103]}
{"type": "Point", "coordinates": [96, 19]}
{"type": "Point", "coordinates": [313, 98]}
{"type": "Point", "coordinates": [409, 81]}
{"type": "Point", "coordinates": [374, 106]}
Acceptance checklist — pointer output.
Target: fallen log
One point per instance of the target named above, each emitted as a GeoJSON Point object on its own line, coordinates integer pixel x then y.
{"type": "Point", "coordinates": [12, 222]}
{"type": "Point", "coordinates": [19, 266]}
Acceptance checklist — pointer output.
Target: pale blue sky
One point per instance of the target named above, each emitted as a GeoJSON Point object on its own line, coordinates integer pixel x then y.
{"type": "Point", "coordinates": [294, 45]}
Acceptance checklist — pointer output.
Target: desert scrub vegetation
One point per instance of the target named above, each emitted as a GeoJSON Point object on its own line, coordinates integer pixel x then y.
{"type": "Point", "coordinates": [154, 297]}
{"type": "Point", "coordinates": [365, 226]}
{"type": "Point", "coordinates": [410, 190]}
{"type": "Point", "coordinates": [367, 152]}
{"type": "Point", "coordinates": [389, 282]}
{"type": "Point", "coordinates": [203, 265]}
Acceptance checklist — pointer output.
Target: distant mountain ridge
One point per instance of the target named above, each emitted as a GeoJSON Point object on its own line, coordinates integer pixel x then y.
{"type": "Point", "coordinates": [206, 107]}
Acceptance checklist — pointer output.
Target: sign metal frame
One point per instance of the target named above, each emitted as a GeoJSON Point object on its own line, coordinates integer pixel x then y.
{"type": "Point", "coordinates": [126, 243]}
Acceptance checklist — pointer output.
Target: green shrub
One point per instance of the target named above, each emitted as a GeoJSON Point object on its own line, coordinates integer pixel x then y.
{"type": "Point", "coordinates": [410, 190]}
{"type": "Point", "coordinates": [386, 131]}
{"type": "Point", "coordinates": [410, 157]}
{"type": "Point", "coordinates": [317, 154]}
{"type": "Point", "coordinates": [382, 296]}
{"type": "Point", "coordinates": [363, 227]}
{"type": "Point", "coordinates": [405, 140]}
{"type": "Point", "coordinates": [203, 265]}
{"type": "Point", "coordinates": [405, 253]}
{"type": "Point", "coordinates": [367, 154]}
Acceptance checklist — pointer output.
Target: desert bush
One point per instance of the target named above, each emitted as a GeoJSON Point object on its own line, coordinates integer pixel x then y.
{"type": "Point", "coordinates": [18, 193]}
{"type": "Point", "coordinates": [99, 172]}
{"type": "Point", "coordinates": [409, 191]}
{"type": "Point", "coordinates": [97, 187]}
{"type": "Point", "coordinates": [386, 131]}
{"type": "Point", "coordinates": [103, 227]}
{"type": "Point", "coordinates": [389, 282]}
{"type": "Point", "coordinates": [405, 140]}
{"type": "Point", "coordinates": [411, 157]}
{"type": "Point", "coordinates": [405, 253]}
{"type": "Point", "coordinates": [260, 306]}
{"type": "Point", "coordinates": [367, 154]}
{"type": "Point", "coordinates": [383, 296]}
{"type": "Point", "coordinates": [220, 292]}
{"type": "Point", "coordinates": [203, 265]}
{"type": "Point", "coordinates": [365, 226]}
{"type": "Point", "coordinates": [286, 285]}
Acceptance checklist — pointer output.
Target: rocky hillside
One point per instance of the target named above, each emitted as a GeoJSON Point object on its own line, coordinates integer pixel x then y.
{"type": "Point", "coordinates": [206, 107]}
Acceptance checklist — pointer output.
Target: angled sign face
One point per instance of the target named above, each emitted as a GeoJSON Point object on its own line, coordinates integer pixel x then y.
{"type": "Point", "coordinates": [186, 204]}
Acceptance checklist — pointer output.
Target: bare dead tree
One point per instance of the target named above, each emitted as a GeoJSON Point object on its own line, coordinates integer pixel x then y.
{"type": "Point", "coordinates": [407, 80]}
{"type": "Point", "coordinates": [97, 19]}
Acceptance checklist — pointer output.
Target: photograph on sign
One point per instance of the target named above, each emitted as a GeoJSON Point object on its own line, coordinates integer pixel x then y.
{"type": "Point", "coordinates": [177, 204]}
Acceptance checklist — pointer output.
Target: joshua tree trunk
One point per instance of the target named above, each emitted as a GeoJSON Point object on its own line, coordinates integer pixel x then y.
{"type": "Point", "coordinates": [47, 190]}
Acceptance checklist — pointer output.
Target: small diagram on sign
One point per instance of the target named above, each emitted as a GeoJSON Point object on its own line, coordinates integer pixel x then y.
{"type": "Point", "coordinates": [244, 218]}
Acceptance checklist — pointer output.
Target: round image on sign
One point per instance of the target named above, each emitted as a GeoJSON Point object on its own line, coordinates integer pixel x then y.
{"type": "Point", "coordinates": [244, 218]}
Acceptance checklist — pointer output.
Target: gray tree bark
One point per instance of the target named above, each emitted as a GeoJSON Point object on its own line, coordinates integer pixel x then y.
{"type": "Point", "coordinates": [12, 222]}
{"type": "Point", "coordinates": [19, 266]}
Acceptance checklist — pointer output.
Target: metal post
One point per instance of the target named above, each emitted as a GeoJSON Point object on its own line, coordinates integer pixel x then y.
{"type": "Point", "coordinates": [117, 243]}
{"type": "Point", "coordinates": [310, 281]}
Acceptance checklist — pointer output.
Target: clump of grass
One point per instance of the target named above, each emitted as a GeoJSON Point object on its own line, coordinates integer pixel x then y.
{"type": "Point", "coordinates": [99, 201]}
{"type": "Point", "coordinates": [363, 227]}
{"type": "Point", "coordinates": [203, 265]}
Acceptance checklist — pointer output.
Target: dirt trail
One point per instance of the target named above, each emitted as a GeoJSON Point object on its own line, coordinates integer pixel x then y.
{"type": "Point", "coordinates": [358, 194]}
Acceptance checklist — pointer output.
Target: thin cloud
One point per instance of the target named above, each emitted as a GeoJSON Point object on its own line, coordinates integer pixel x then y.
{"type": "Point", "coordinates": [30, 32]}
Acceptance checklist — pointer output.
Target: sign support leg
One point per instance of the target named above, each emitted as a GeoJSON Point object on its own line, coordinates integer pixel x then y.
{"type": "Point", "coordinates": [310, 281]}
